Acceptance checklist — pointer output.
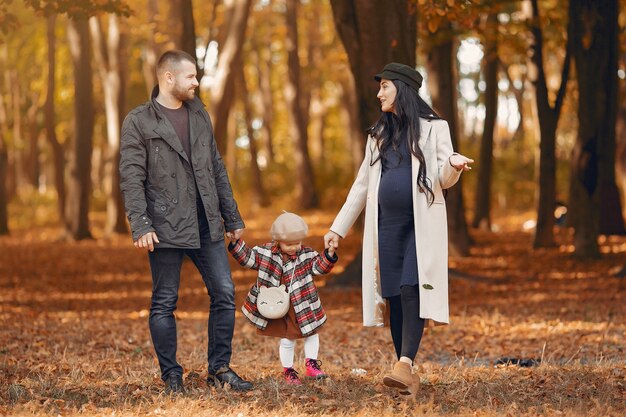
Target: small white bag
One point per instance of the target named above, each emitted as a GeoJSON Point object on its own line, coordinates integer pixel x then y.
{"type": "Point", "coordinates": [272, 302]}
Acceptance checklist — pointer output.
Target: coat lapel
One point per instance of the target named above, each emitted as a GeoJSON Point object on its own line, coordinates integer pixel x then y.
{"type": "Point", "coordinates": [424, 133]}
{"type": "Point", "coordinates": [196, 126]}
{"type": "Point", "coordinates": [166, 131]}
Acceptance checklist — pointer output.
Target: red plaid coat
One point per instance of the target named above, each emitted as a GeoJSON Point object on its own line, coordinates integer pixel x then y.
{"type": "Point", "coordinates": [267, 259]}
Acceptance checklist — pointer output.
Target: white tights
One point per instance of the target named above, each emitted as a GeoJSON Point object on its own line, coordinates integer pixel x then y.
{"type": "Point", "coordinates": [287, 347]}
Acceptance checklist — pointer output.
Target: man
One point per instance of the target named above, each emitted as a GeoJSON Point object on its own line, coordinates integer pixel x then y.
{"type": "Point", "coordinates": [179, 202]}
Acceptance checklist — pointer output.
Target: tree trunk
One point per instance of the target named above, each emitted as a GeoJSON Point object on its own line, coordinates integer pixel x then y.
{"type": "Point", "coordinates": [442, 86]}
{"type": "Point", "coordinates": [482, 213]}
{"type": "Point", "coordinates": [34, 128]}
{"type": "Point", "coordinates": [80, 174]}
{"type": "Point", "coordinates": [221, 92]}
{"type": "Point", "coordinates": [188, 35]}
{"type": "Point", "coordinates": [107, 53]}
{"type": "Point", "coordinates": [261, 57]}
{"type": "Point", "coordinates": [305, 185]}
{"type": "Point", "coordinates": [149, 50]}
{"type": "Point", "coordinates": [594, 30]}
{"type": "Point", "coordinates": [548, 119]}
{"type": "Point", "coordinates": [621, 140]}
{"type": "Point", "coordinates": [57, 150]}
{"type": "Point", "coordinates": [15, 152]}
{"type": "Point", "coordinates": [354, 134]}
{"type": "Point", "coordinates": [260, 196]}
{"type": "Point", "coordinates": [4, 166]}
{"type": "Point", "coordinates": [374, 33]}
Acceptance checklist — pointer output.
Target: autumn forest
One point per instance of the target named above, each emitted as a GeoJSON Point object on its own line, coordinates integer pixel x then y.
{"type": "Point", "coordinates": [532, 90]}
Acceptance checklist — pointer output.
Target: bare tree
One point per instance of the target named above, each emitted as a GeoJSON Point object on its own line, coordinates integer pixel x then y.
{"type": "Point", "coordinates": [57, 150]}
{"type": "Point", "coordinates": [482, 212]}
{"type": "Point", "coordinates": [305, 185]}
{"type": "Point", "coordinates": [374, 33]}
{"type": "Point", "coordinates": [261, 197]}
{"type": "Point", "coordinates": [442, 87]}
{"type": "Point", "coordinates": [4, 166]}
{"type": "Point", "coordinates": [221, 91]}
{"type": "Point", "coordinates": [548, 119]}
{"type": "Point", "coordinates": [107, 52]}
{"type": "Point", "coordinates": [595, 200]}
{"type": "Point", "coordinates": [261, 58]}
{"type": "Point", "coordinates": [80, 174]}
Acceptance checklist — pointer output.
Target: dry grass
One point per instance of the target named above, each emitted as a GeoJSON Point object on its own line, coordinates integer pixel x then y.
{"type": "Point", "coordinates": [74, 338]}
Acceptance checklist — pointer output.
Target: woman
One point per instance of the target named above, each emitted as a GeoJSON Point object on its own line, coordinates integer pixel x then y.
{"type": "Point", "coordinates": [408, 163]}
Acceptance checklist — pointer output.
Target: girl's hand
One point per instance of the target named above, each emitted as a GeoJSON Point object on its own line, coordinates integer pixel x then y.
{"type": "Point", "coordinates": [460, 162]}
{"type": "Point", "coordinates": [234, 235]}
{"type": "Point", "coordinates": [331, 250]}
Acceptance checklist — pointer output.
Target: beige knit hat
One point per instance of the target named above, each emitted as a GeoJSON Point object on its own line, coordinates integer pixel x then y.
{"type": "Point", "coordinates": [289, 227]}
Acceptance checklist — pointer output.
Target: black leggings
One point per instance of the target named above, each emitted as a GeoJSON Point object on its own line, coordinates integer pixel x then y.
{"type": "Point", "coordinates": [407, 326]}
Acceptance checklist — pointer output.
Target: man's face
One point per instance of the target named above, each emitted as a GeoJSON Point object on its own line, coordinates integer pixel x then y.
{"type": "Point", "coordinates": [185, 82]}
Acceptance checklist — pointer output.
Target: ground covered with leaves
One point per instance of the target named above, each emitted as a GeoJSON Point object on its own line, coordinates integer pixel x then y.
{"type": "Point", "coordinates": [74, 338]}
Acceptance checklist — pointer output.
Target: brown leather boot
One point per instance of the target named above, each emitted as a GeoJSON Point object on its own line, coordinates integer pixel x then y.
{"type": "Point", "coordinates": [416, 384]}
{"type": "Point", "coordinates": [400, 378]}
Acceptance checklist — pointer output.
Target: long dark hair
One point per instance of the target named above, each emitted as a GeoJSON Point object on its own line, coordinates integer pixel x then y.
{"type": "Point", "coordinates": [392, 128]}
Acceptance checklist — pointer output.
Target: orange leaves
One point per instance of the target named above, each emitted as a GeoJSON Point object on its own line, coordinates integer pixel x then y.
{"type": "Point", "coordinates": [76, 340]}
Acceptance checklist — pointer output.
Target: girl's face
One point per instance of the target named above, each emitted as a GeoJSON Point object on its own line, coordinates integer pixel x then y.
{"type": "Point", "coordinates": [387, 95]}
{"type": "Point", "coordinates": [290, 248]}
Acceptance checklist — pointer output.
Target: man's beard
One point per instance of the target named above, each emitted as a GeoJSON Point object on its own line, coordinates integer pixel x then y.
{"type": "Point", "coordinates": [183, 94]}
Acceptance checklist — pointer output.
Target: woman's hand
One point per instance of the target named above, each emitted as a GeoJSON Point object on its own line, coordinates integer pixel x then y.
{"type": "Point", "coordinates": [331, 239]}
{"type": "Point", "coordinates": [460, 162]}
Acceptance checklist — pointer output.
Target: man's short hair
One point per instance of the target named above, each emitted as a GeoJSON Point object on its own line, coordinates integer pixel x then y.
{"type": "Point", "coordinates": [172, 57]}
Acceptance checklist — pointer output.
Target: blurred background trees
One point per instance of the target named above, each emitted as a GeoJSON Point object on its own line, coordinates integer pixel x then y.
{"type": "Point", "coordinates": [531, 90]}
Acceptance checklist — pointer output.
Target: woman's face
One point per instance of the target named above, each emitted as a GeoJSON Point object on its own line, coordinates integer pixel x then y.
{"type": "Point", "coordinates": [387, 95]}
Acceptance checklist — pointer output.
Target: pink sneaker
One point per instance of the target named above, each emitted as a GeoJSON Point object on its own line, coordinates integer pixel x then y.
{"type": "Point", "coordinates": [313, 369]}
{"type": "Point", "coordinates": [291, 376]}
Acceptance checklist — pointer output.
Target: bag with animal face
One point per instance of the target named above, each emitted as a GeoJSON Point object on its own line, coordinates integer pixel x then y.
{"type": "Point", "coordinates": [272, 302]}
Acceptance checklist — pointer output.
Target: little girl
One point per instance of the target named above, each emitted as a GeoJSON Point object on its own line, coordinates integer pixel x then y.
{"type": "Point", "coordinates": [286, 261]}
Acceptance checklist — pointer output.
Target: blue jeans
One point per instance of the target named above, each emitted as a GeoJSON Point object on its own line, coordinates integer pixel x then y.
{"type": "Point", "coordinates": [212, 262]}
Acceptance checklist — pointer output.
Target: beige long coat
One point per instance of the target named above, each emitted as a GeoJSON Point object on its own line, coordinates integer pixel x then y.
{"type": "Point", "coordinates": [431, 229]}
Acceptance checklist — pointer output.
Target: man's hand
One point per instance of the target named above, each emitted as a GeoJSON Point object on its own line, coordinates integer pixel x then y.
{"type": "Point", "coordinates": [331, 239]}
{"type": "Point", "coordinates": [235, 235]}
{"type": "Point", "coordinates": [147, 241]}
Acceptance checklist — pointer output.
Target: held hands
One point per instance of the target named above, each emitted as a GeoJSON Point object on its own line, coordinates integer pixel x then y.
{"type": "Point", "coordinates": [147, 241]}
{"type": "Point", "coordinates": [460, 162]}
{"type": "Point", "coordinates": [331, 242]}
{"type": "Point", "coordinates": [235, 235]}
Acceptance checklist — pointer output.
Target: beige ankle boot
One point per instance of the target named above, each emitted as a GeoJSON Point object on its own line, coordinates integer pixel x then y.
{"type": "Point", "coordinates": [401, 378]}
